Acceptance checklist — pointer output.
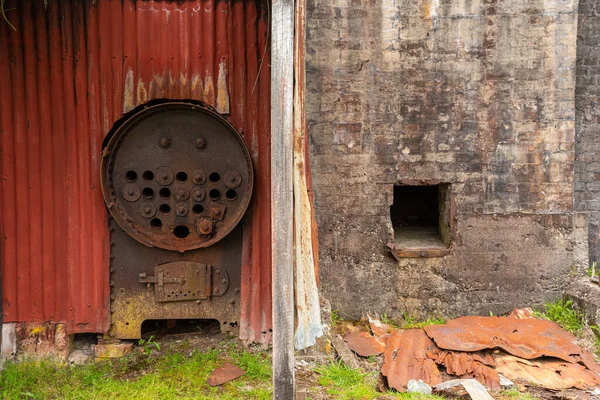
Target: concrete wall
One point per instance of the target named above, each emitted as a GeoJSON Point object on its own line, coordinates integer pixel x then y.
{"type": "Point", "coordinates": [587, 145]}
{"type": "Point", "coordinates": [477, 93]}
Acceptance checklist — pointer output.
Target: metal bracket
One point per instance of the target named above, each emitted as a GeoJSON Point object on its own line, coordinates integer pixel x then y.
{"type": "Point", "coordinates": [184, 281]}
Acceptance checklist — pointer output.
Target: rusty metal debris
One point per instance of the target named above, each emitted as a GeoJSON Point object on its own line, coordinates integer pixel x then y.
{"type": "Point", "coordinates": [525, 338]}
{"type": "Point", "coordinates": [224, 374]}
{"type": "Point", "coordinates": [478, 365]}
{"type": "Point", "coordinates": [381, 331]}
{"type": "Point", "coordinates": [463, 346]}
{"type": "Point", "coordinates": [405, 358]}
{"type": "Point", "coordinates": [547, 373]}
{"type": "Point", "coordinates": [363, 344]}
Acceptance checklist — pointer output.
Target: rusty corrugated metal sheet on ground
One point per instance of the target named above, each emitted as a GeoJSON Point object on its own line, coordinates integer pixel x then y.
{"type": "Point", "coordinates": [478, 365]}
{"type": "Point", "coordinates": [525, 338]}
{"type": "Point", "coordinates": [67, 74]}
{"type": "Point", "coordinates": [363, 344]}
{"type": "Point", "coordinates": [405, 358]}
{"type": "Point", "coordinates": [547, 373]}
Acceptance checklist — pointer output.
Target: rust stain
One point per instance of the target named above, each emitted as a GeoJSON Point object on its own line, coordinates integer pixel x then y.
{"type": "Point", "coordinates": [405, 358]}
{"type": "Point", "coordinates": [363, 344]}
{"type": "Point", "coordinates": [224, 374]}
{"type": "Point", "coordinates": [525, 338]}
{"type": "Point", "coordinates": [546, 373]}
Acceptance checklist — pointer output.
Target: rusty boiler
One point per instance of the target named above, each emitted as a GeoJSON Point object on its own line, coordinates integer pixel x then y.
{"type": "Point", "coordinates": [176, 179]}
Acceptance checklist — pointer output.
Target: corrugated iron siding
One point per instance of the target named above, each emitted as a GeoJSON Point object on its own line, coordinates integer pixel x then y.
{"type": "Point", "coordinates": [66, 75]}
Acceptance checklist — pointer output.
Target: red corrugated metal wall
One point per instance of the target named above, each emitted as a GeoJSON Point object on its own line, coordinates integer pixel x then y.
{"type": "Point", "coordinates": [66, 75]}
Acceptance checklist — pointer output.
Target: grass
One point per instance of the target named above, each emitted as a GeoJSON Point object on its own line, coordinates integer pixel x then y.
{"type": "Point", "coordinates": [172, 375]}
{"type": "Point", "coordinates": [514, 393]}
{"type": "Point", "coordinates": [563, 313]}
{"type": "Point", "coordinates": [412, 323]}
{"type": "Point", "coordinates": [345, 383]}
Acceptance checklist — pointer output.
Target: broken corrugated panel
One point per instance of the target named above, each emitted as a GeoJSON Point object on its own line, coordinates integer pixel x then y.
{"type": "Point", "coordinates": [478, 365]}
{"type": "Point", "coordinates": [363, 344]}
{"type": "Point", "coordinates": [71, 72]}
{"type": "Point", "coordinates": [526, 338]}
{"type": "Point", "coordinates": [547, 373]}
{"type": "Point", "coordinates": [405, 358]}
{"type": "Point", "coordinates": [224, 374]}
{"type": "Point", "coordinates": [308, 310]}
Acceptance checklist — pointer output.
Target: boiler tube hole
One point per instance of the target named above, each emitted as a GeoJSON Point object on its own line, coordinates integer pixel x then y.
{"type": "Point", "coordinates": [231, 194]}
{"type": "Point", "coordinates": [197, 209]}
{"type": "Point", "coordinates": [131, 176]}
{"type": "Point", "coordinates": [148, 175]}
{"type": "Point", "coordinates": [181, 231]}
{"type": "Point", "coordinates": [148, 192]}
{"type": "Point", "coordinates": [165, 192]}
{"type": "Point", "coordinates": [214, 194]}
{"type": "Point", "coordinates": [214, 177]}
{"type": "Point", "coordinates": [181, 176]}
{"type": "Point", "coordinates": [156, 223]}
{"type": "Point", "coordinates": [165, 208]}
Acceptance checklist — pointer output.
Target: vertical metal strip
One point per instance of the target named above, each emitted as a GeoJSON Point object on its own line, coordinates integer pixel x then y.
{"type": "Point", "coordinates": [282, 245]}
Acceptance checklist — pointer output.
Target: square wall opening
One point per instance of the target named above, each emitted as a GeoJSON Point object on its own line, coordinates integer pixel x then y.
{"type": "Point", "coordinates": [420, 217]}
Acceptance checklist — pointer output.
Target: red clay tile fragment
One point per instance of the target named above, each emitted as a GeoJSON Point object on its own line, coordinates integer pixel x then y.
{"type": "Point", "coordinates": [405, 358]}
{"type": "Point", "coordinates": [224, 374]}
{"type": "Point", "coordinates": [547, 373]}
{"type": "Point", "coordinates": [363, 344]}
{"type": "Point", "coordinates": [525, 338]}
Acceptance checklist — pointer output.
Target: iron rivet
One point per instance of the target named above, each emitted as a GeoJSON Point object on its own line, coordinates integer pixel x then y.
{"type": "Point", "coordinates": [200, 143]}
{"type": "Point", "coordinates": [197, 301]}
{"type": "Point", "coordinates": [165, 142]}
{"type": "Point", "coordinates": [223, 280]}
{"type": "Point", "coordinates": [218, 272]}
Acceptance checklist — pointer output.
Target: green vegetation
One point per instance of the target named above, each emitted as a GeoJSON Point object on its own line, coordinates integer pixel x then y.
{"type": "Point", "coordinates": [345, 383]}
{"type": "Point", "coordinates": [149, 345]}
{"type": "Point", "coordinates": [335, 318]}
{"type": "Point", "coordinates": [411, 322]}
{"type": "Point", "coordinates": [174, 375]}
{"type": "Point", "coordinates": [514, 393]}
{"type": "Point", "coordinates": [563, 313]}
{"type": "Point", "coordinates": [592, 269]}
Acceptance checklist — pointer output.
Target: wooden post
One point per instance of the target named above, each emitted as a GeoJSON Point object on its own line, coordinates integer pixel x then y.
{"type": "Point", "coordinates": [282, 201]}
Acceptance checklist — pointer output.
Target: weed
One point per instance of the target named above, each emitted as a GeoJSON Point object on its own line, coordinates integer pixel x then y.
{"type": "Point", "coordinates": [563, 313]}
{"type": "Point", "coordinates": [592, 269]}
{"type": "Point", "coordinates": [149, 345]}
{"type": "Point", "coordinates": [514, 393]}
{"type": "Point", "coordinates": [411, 322]}
{"type": "Point", "coordinates": [335, 317]}
{"type": "Point", "coordinates": [386, 320]}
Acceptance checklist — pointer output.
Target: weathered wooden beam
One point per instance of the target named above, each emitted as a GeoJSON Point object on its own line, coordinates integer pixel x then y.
{"type": "Point", "coordinates": [282, 202]}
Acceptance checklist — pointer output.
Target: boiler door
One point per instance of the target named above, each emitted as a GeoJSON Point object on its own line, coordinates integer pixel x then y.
{"type": "Point", "coordinates": [177, 176]}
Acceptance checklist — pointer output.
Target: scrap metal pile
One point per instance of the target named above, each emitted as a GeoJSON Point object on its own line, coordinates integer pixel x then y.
{"type": "Point", "coordinates": [519, 347]}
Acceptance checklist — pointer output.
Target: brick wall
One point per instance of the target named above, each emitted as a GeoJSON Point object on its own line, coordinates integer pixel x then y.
{"type": "Point", "coordinates": [587, 100]}
{"type": "Point", "coordinates": [479, 94]}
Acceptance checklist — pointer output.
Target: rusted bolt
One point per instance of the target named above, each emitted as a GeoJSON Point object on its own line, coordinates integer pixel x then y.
{"type": "Point", "coordinates": [181, 210]}
{"type": "Point", "coordinates": [165, 142]}
{"type": "Point", "coordinates": [223, 281]}
{"type": "Point", "coordinates": [197, 301]}
{"type": "Point", "coordinates": [215, 212]}
{"type": "Point", "coordinates": [148, 210]}
{"type": "Point", "coordinates": [200, 143]}
{"type": "Point", "coordinates": [165, 176]}
{"type": "Point", "coordinates": [111, 283]}
{"type": "Point", "coordinates": [131, 192]}
{"type": "Point", "coordinates": [205, 227]}
{"type": "Point", "coordinates": [218, 272]}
